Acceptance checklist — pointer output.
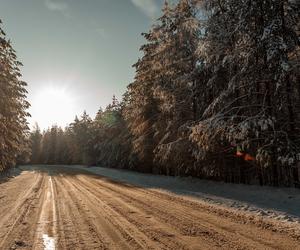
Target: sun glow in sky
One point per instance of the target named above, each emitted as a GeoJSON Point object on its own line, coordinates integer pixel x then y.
{"type": "Point", "coordinates": [76, 54]}
{"type": "Point", "coordinates": [53, 104]}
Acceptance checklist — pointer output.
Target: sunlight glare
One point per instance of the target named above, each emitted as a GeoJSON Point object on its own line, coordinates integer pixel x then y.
{"type": "Point", "coordinates": [53, 105]}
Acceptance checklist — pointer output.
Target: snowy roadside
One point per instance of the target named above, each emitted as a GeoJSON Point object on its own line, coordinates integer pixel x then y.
{"type": "Point", "coordinates": [10, 173]}
{"type": "Point", "coordinates": [282, 204]}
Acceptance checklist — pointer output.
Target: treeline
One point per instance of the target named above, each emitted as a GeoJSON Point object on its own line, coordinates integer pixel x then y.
{"type": "Point", "coordinates": [14, 131]}
{"type": "Point", "coordinates": [85, 141]}
{"type": "Point", "coordinates": [216, 95]}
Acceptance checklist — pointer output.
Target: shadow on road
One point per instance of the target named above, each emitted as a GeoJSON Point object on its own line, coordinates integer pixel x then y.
{"type": "Point", "coordinates": [251, 198]}
{"type": "Point", "coordinates": [9, 174]}
{"type": "Point", "coordinates": [63, 170]}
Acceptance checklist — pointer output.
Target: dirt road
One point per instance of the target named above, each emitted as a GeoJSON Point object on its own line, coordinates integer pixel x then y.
{"type": "Point", "coordinates": [61, 208]}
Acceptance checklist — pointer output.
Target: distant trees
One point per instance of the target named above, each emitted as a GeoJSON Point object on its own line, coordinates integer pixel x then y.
{"type": "Point", "coordinates": [216, 95]}
{"type": "Point", "coordinates": [36, 144]}
{"type": "Point", "coordinates": [13, 108]}
{"type": "Point", "coordinates": [103, 140]}
{"type": "Point", "coordinates": [53, 147]}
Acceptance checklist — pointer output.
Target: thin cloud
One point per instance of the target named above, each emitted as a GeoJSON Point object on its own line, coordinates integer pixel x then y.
{"type": "Point", "coordinates": [57, 5]}
{"type": "Point", "coordinates": [149, 7]}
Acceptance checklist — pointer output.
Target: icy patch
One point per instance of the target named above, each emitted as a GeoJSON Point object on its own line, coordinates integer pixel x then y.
{"type": "Point", "coordinates": [49, 242]}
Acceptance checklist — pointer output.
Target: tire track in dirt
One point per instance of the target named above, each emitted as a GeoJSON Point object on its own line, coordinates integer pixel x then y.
{"type": "Point", "coordinates": [226, 232]}
{"type": "Point", "coordinates": [21, 223]}
{"type": "Point", "coordinates": [79, 229]}
{"type": "Point", "coordinates": [84, 211]}
{"type": "Point", "coordinates": [46, 226]}
{"type": "Point", "coordinates": [188, 232]}
{"type": "Point", "coordinates": [61, 242]}
{"type": "Point", "coordinates": [19, 197]}
{"type": "Point", "coordinates": [113, 226]}
{"type": "Point", "coordinates": [156, 230]}
{"type": "Point", "coordinates": [235, 217]}
{"type": "Point", "coordinates": [147, 233]}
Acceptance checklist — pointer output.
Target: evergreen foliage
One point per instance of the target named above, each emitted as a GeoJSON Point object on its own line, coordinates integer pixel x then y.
{"type": "Point", "coordinates": [13, 108]}
{"type": "Point", "coordinates": [216, 95]}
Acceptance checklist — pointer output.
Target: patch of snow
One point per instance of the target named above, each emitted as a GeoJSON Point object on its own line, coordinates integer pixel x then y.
{"type": "Point", "coordinates": [49, 242]}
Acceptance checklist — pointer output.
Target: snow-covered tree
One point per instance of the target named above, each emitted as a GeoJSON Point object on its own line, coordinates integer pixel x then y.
{"type": "Point", "coordinates": [253, 110]}
{"type": "Point", "coordinates": [13, 106]}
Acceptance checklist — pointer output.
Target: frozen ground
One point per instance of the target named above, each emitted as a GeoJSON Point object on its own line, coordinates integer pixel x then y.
{"type": "Point", "coordinates": [281, 204]}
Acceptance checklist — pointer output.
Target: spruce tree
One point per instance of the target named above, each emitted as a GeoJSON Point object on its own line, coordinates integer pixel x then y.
{"type": "Point", "coordinates": [13, 106]}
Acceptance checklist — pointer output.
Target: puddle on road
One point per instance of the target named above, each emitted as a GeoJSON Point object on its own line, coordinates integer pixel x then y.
{"type": "Point", "coordinates": [49, 242]}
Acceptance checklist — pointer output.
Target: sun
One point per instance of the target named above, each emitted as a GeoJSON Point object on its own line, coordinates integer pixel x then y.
{"type": "Point", "coordinates": [52, 105]}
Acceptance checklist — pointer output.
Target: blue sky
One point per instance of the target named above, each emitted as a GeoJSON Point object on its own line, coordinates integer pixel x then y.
{"type": "Point", "coordinates": [86, 47]}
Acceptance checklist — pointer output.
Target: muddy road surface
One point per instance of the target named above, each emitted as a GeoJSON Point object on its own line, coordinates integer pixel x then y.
{"type": "Point", "coordinates": [62, 208]}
